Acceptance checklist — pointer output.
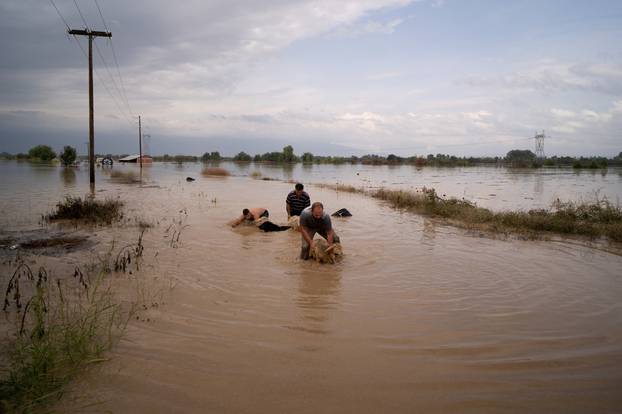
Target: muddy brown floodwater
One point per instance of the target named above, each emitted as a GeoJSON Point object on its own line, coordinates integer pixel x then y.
{"type": "Point", "coordinates": [417, 317]}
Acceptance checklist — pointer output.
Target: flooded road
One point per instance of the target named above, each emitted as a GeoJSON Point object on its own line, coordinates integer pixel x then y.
{"type": "Point", "coordinates": [417, 317]}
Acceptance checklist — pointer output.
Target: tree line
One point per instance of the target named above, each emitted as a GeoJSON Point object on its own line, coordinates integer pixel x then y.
{"type": "Point", "coordinates": [45, 153]}
{"type": "Point", "coordinates": [514, 158]}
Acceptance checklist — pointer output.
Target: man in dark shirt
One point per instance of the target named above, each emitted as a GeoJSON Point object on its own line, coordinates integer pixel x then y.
{"type": "Point", "coordinates": [314, 220]}
{"type": "Point", "coordinates": [297, 200]}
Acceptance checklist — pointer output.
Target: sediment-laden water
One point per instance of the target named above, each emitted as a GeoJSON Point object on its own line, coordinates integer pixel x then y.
{"type": "Point", "coordinates": [417, 317]}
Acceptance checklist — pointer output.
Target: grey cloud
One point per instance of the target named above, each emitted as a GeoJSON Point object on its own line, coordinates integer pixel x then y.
{"type": "Point", "coordinates": [585, 77]}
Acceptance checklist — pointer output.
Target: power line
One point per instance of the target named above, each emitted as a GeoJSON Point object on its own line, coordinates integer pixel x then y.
{"type": "Point", "coordinates": [114, 83]}
{"type": "Point", "coordinates": [101, 15]}
{"type": "Point", "coordinates": [99, 77]}
{"type": "Point", "coordinates": [104, 84]}
{"type": "Point", "coordinates": [59, 15]}
{"type": "Point", "coordinates": [80, 13]}
{"type": "Point", "coordinates": [116, 62]}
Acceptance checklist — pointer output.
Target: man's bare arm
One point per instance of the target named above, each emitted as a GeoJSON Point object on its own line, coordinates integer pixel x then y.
{"type": "Point", "coordinates": [237, 221]}
{"type": "Point", "coordinates": [330, 238]}
{"type": "Point", "coordinates": [305, 234]}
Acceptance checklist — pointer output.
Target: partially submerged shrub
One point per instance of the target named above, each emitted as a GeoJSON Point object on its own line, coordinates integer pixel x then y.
{"type": "Point", "coordinates": [215, 171]}
{"type": "Point", "coordinates": [346, 188]}
{"type": "Point", "coordinates": [256, 175]}
{"type": "Point", "coordinates": [125, 177]}
{"type": "Point", "coordinates": [87, 209]}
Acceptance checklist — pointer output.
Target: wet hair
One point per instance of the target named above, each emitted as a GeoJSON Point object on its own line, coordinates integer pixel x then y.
{"type": "Point", "coordinates": [245, 212]}
{"type": "Point", "coordinates": [316, 204]}
{"type": "Point", "coordinates": [299, 187]}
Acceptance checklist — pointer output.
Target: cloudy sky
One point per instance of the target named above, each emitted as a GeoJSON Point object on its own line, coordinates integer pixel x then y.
{"type": "Point", "coordinates": [465, 77]}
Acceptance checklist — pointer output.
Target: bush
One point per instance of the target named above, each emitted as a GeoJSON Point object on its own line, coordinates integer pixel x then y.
{"type": "Point", "coordinates": [89, 210]}
{"type": "Point", "coordinates": [68, 155]}
{"type": "Point", "coordinates": [125, 177]}
{"type": "Point", "coordinates": [215, 171]}
{"type": "Point", "coordinates": [213, 156]}
{"type": "Point", "coordinates": [42, 152]}
{"type": "Point", "coordinates": [242, 156]}
{"type": "Point", "coordinates": [520, 158]}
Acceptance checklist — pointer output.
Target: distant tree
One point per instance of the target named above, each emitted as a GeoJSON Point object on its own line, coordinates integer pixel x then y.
{"type": "Point", "coordinates": [288, 154]}
{"type": "Point", "coordinates": [242, 156]}
{"type": "Point", "coordinates": [42, 152]}
{"type": "Point", "coordinates": [273, 156]}
{"type": "Point", "coordinates": [257, 158]}
{"type": "Point", "coordinates": [520, 158]}
{"type": "Point", "coordinates": [212, 156]}
{"type": "Point", "coordinates": [68, 156]}
{"type": "Point", "coordinates": [307, 157]}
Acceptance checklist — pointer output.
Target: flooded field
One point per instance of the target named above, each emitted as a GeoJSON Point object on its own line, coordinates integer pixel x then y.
{"type": "Point", "coordinates": [417, 317]}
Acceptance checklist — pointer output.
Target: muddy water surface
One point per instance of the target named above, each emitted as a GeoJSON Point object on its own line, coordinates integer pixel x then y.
{"type": "Point", "coordinates": [417, 317]}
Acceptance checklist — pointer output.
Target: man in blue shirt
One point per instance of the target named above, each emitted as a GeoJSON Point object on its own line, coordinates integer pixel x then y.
{"type": "Point", "coordinates": [314, 220]}
{"type": "Point", "coordinates": [297, 200]}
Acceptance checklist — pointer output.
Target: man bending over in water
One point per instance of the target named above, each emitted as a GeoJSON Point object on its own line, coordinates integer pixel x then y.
{"type": "Point", "coordinates": [250, 215]}
{"type": "Point", "coordinates": [314, 220]}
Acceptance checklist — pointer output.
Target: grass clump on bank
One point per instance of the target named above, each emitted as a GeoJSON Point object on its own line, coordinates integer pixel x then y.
{"type": "Point", "coordinates": [345, 188]}
{"type": "Point", "coordinates": [599, 218]}
{"type": "Point", "coordinates": [215, 171]}
{"type": "Point", "coordinates": [59, 327]}
{"type": "Point", "coordinates": [62, 328]}
{"type": "Point", "coordinates": [87, 210]}
{"type": "Point", "coordinates": [595, 219]}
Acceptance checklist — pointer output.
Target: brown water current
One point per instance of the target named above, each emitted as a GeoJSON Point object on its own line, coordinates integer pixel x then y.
{"type": "Point", "coordinates": [416, 317]}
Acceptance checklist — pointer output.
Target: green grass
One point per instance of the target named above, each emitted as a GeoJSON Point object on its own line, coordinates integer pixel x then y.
{"type": "Point", "coordinates": [593, 219]}
{"type": "Point", "coordinates": [87, 209]}
{"type": "Point", "coordinates": [62, 328]}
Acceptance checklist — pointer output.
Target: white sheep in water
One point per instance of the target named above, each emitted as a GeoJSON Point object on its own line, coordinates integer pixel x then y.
{"type": "Point", "coordinates": [294, 223]}
{"type": "Point", "coordinates": [322, 253]}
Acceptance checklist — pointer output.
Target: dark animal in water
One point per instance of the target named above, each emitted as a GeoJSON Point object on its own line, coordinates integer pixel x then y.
{"type": "Point", "coordinates": [270, 226]}
{"type": "Point", "coordinates": [189, 179]}
{"type": "Point", "coordinates": [342, 213]}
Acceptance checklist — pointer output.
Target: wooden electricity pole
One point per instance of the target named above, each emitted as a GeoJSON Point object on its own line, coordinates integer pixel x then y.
{"type": "Point", "coordinates": [140, 144]}
{"type": "Point", "coordinates": [91, 34]}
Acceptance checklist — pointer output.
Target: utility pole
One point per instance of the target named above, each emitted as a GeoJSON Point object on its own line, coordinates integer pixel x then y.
{"type": "Point", "coordinates": [140, 144]}
{"type": "Point", "coordinates": [91, 34]}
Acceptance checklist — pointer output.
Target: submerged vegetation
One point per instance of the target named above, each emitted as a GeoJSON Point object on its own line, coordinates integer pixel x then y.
{"type": "Point", "coordinates": [599, 218]}
{"type": "Point", "coordinates": [88, 210]}
{"type": "Point", "coordinates": [125, 177]}
{"type": "Point", "coordinates": [60, 327]}
{"type": "Point", "coordinates": [215, 171]}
